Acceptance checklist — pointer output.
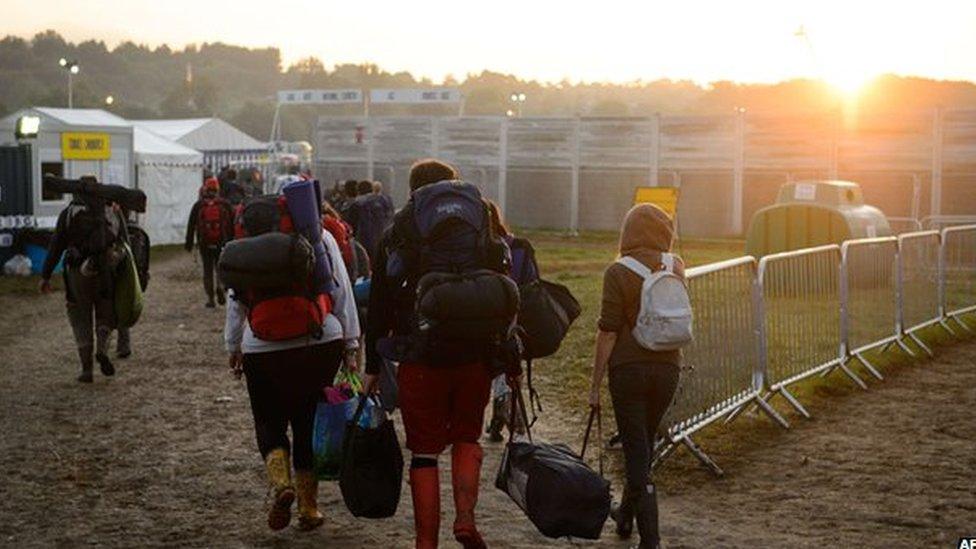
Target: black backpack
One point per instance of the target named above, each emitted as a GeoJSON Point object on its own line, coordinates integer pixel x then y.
{"type": "Point", "coordinates": [91, 227]}
{"type": "Point", "coordinates": [465, 305]}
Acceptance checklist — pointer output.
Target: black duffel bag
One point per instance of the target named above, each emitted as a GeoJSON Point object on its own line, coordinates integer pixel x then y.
{"type": "Point", "coordinates": [372, 468]}
{"type": "Point", "coordinates": [547, 311]}
{"type": "Point", "coordinates": [269, 260]}
{"type": "Point", "coordinates": [556, 489]}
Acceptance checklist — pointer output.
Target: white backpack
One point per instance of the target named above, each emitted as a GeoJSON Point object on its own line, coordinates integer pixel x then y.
{"type": "Point", "coordinates": [664, 320]}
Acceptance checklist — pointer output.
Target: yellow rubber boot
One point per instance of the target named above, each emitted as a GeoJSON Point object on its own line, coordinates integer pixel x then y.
{"type": "Point", "coordinates": [309, 517]}
{"type": "Point", "coordinates": [282, 490]}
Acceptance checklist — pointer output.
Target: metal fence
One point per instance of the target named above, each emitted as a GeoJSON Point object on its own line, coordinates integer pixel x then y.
{"type": "Point", "coordinates": [725, 299]}
{"type": "Point", "coordinates": [762, 327]}
{"type": "Point", "coordinates": [959, 273]}
{"type": "Point", "coordinates": [910, 164]}
{"type": "Point", "coordinates": [868, 297]}
{"type": "Point", "coordinates": [919, 287]}
{"type": "Point", "coordinates": [801, 316]}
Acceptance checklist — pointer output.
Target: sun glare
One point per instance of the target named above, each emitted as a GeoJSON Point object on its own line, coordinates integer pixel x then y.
{"type": "Point", "coordinates": [849, 83]}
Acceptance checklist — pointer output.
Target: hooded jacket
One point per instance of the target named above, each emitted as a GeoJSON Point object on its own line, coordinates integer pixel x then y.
{"type": "Point", "coordinates": [647, 232]}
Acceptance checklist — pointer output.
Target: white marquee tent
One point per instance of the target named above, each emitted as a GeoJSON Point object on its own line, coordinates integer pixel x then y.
{"type": "Point", "coordinates": [170, 175]}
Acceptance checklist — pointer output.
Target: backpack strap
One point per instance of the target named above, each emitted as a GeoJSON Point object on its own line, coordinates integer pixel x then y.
{"type": "Point", "coordinates": [668, 261]}
{"type": "Point", "coordinates": [636, 266]}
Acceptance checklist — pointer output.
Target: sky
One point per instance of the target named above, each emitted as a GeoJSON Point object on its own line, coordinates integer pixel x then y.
{"type": "Point", "coordinates": [843, 41]}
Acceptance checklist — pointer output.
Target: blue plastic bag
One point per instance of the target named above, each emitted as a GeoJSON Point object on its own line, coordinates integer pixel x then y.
{"type": "Point", "coordinates": [329, 429]}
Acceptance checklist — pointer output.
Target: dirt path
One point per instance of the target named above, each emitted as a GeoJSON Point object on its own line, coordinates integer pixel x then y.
{"type": "Point", "coordinates": [161, 456]}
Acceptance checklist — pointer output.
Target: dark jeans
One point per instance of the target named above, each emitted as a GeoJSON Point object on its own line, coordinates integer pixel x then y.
{"type": "Point", "coordinates": [209, 257]}
{"type": "Point", "coordinates": [641, 394]}
{"type": "Point", "coordinates": [284, 387]}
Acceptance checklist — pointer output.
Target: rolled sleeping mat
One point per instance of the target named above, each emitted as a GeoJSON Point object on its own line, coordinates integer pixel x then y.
{"type": "Point", "coordinates": [130, 199]}
{"type": "Point", "coordinates": [318, 195]}
{"type": "Point", "coordinates": [269, 260]}
{"type": "Point", "coordinates": [304, 210]}
{"type": "Point", "coordinates": [322, 274]}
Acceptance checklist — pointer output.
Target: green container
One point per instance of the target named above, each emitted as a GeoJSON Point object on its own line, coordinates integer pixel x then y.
{"type": "Point", "coordinates": [813, 213]}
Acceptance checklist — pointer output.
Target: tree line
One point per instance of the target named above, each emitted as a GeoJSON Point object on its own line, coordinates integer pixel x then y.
{"type": "Point", "coordinates": [239, 85]}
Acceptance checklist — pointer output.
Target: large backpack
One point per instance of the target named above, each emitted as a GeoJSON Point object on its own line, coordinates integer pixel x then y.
{"type": "Point", "coordinates": [91, 227]}
{"type": "Point", "coordinates": [270, 268]}
{"type": "Point", "coordinates": [212, 222]}
{"type": "Point", "coordinates": [465, 304]}
{"type": "Point", "coordinates": [664, 322]}
{"type": "Point", "coordinates": [372, 218]}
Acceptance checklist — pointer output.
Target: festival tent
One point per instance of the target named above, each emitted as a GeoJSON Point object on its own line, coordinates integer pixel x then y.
{"type": "Point", "coordinates": [220, 143]}
{"type": "Point", "coordinates": [170, 175]}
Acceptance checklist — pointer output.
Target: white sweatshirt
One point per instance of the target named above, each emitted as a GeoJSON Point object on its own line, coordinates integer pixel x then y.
{"type": "Point", "coordinates": [341, 323]}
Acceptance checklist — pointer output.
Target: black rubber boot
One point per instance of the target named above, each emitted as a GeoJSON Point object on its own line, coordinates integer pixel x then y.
{"type": "Point", "coordinates": [220, 297]}
{"type": "Point", "coordinates": [647, 524]}
{"type": "Point", "coordinates": [105, 365]}
{"type": "Point", "coordinates": [623, 515]}
{"type": "Point", "coordinates": [87, 365]}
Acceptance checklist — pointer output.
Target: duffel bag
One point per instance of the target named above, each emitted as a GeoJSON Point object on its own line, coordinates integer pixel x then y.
{"type": "Point", "coordinates": [128, 291]}
{"type": "Point", "coordinates": [476, 306]}
{"type": "Point", "coordinates": [548, 310]}
{"type": "Point", "coordinates": [556, 489]}
{"type": "Point", "coordinates": [269, 260]}
{"type": "Point", "coordinates": [372, 467]}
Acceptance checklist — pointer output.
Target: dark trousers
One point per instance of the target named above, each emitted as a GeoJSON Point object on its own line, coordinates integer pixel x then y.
{"type": "Point", "coordinates": [641, 394]}
{"type": "Point", "coordinates": [209, 256]}
{"type": "Point", "coordinates": [90, 311]}
{"type": "Point", "coordinates": [284, 387]}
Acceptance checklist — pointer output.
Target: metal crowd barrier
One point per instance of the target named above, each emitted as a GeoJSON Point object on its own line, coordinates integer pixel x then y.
{"type": "Point", "coordinates": [721, 368]}
{"type": "Point", "coordinates": [801, 318]}
{"type": "Point", "coordinates": [918, 283]}
{"type": "Point", "coordinates": [869, 298]}
{"type": "Point", "coordinates": [958, 278]}
{"type": "Point", "coordinates": [761, 328]}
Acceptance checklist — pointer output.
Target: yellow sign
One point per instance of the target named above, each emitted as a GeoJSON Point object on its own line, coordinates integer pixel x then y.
{"type": "Point", "coordinates": [85, 146]}
{"type": "Point", "coordinates": [665, 198]}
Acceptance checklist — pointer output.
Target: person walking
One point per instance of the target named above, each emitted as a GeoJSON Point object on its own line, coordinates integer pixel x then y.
{"type": "Point", "coordinates": [441, 405]}
{"type": "Point", "coordinates": [211, 225]}
{"type": "Point", "coordinates": [642, 382]}
{"type": "Point", "coordinates": [86, 233]}
{"type": "Point", "coordinates": [285, 379]}
{"type": "Point", "coordinates": [523, 270]}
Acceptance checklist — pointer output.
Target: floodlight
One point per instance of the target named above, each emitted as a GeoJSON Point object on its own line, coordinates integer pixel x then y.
{"type": "Point", "coordinates": [521, 97]}
{"type": "Point", "coordinates": [27, 127]}
{"type": "Point", "coordinates": [63, 62]}
{"type": "Point", "coordinates": [74, 69]}
{"type": "Point", "coordinates": [510, 112]}
{"type": "Point", "coordinates": [109, 100]}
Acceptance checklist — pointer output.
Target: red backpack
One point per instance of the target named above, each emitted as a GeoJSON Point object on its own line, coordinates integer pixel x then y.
{"type": "Point", "coordinates": [212, 222]}
{"type": "Point", "coordinates": [286, 312]}
{"type": "Point", "coordinates": [340, 231]}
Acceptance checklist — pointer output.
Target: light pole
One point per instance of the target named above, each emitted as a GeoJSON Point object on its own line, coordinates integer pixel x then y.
{"type": "Point", "coordinates": [72, 68]}
{"type": "Point", "coordinates": [519, 99]}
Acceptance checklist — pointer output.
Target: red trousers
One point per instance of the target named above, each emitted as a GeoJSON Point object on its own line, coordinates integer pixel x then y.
{"type": "Point", "coordinates": [442, 406]}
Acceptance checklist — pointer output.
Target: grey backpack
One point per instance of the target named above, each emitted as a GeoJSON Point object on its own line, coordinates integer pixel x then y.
{"type": "Point", "coordinates": [664, 321]}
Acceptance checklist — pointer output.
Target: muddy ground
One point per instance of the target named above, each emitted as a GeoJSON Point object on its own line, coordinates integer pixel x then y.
{"type": "Point", "coordinates": [164, 453]}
